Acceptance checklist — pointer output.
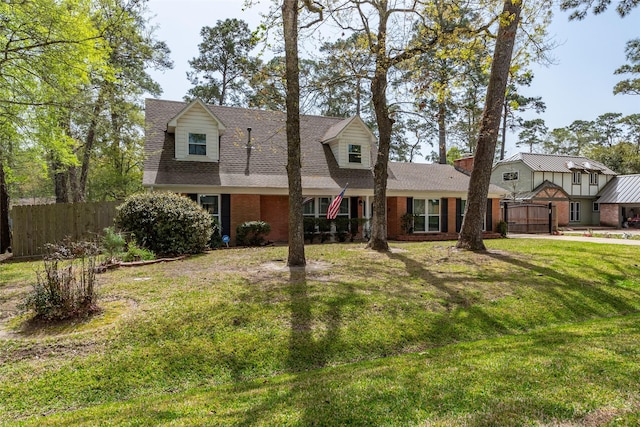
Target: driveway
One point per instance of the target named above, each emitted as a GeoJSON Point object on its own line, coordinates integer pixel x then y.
{"type": "Point", "coordinates": [616, 240]}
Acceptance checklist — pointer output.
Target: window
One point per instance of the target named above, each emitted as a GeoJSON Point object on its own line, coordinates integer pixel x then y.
{"type": "Point", "coordinates": [426, 215]}
{"type": "Point", "coordinates": [577, 177]}
{"type": "Point", "coordinates": [210, 204]}
{"type": "Point", "coordinates": [574, 212]}
{"type": "Point", "coordinates": [510, 176]}
{"type": "Point", "coordinates": [593, 178]}
{"type": "Point", "coordinates": [596, 207]}
{"type": "Point", "coordinates": [198, 144]}
{"type": "Point", "coordinates": [317, 207]}
{"type": "Point", "coordinates": [355, 153]}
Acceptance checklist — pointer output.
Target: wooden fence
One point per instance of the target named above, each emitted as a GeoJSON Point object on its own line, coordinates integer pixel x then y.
{"type": "Point", "coordinates": [35, 225]}
{"type": "Point", "coordinates": [531, 218]}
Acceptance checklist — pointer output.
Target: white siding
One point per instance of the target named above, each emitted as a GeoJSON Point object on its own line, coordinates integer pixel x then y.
{"type": "Point", "coordinates": [196, 120]}
{"type": "Point", "coordinates": [353, 134]}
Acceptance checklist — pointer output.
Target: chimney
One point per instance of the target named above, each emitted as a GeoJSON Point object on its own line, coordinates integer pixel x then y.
{"type": "Point", "coordinates": [464, 164]}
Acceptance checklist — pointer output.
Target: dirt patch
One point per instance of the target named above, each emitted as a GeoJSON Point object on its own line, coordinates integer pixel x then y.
{"type": "Point", "coordinates": [24, 327]}
{"type": "Point", "coordinates": [281, 266]}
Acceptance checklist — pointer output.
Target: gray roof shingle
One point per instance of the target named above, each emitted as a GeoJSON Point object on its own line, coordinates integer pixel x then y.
{"type": "Point", "coordinates": [264, 165]}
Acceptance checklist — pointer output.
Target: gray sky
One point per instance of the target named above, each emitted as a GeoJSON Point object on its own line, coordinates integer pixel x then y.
{"type": "Point", "coordinates": [578, 87]}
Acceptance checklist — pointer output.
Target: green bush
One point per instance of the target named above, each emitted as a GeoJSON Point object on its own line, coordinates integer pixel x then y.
{"type": "Point", "coordinates": [502, 228]}
{"type": "Point", "coordinates": [216, 236]}
{"type": "Point", "coordinates": [252, 233]}
{"type": "Point", "coordinates": [113, 243]}
{"type": "Point", "coordinates": [165, 223]}
{"type": "Point", "coordinates": [134, 253]}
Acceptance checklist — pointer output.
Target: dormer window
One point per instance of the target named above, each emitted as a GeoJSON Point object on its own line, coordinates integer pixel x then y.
{"type": "Point", "coordinates": [593, 178]}
{"type": "Point", "coordinates": [355, 153]}
{"type": "Point", "coordinates": [510, 176]}
{"type": "Point", "coordinates": [197, 144]}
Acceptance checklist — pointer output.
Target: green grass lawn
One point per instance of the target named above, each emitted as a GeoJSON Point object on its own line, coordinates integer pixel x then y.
{"type": "Point", "coordinates": [531, 333]}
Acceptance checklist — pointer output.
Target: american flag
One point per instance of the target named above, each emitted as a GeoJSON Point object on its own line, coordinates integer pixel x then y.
{"type": "Point", "coordinates": [334, 207]}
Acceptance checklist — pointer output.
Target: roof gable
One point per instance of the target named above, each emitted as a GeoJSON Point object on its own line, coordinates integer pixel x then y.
{"type": "Point", "coordinates": [336, 131]}
{"type": "Point", "coordinates": [173, 123]}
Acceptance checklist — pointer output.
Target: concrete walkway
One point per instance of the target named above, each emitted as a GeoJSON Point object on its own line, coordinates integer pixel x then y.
{"type": "Point", "coordinates": [578, 238]}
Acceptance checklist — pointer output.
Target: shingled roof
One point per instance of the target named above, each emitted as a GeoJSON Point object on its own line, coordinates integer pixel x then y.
{"type": "Point", "coordinates": [557, 163]}
{"type": "Point", "coordinates": [264, 164]}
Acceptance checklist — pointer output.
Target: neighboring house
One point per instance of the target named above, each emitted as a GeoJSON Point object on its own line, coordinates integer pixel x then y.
{"type": "Point", "coordinates": [571, 183]}
{"type": "Point", "coordinates": [232, 161]}
{"type": "Point", "coordinates": [619, 202]}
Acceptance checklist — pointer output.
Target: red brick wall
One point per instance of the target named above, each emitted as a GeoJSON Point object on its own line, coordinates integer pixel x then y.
{"type": "Point", "coordinates": [609, 215]}
{"type": "Point", "coordinates": [244, 207]}
{"type": "Point", "coordinates": [464, 164]}
{"type": "Point", "coordinates": [275, 211]}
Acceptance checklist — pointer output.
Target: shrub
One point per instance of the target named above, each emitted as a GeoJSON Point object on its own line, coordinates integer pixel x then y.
{"type": "Point", "coordinates": [134, 253]}
{"type": "Point", "coordinates": [216, 235]}
{"type": "Point", "coordinates": [502, 228]}
{"type": "Point", "coordinates": [113, 243]}
{"type": "Point", "coordinates": [309, 224]}
{"type": "Point", "coordinates": [165, 223]}
{"type": "Point", "coordinates": [406, 223]}
{"type": "Point", "coordinates": [65, 288]}
{"type": "Point", "coordinates": [252, 233]}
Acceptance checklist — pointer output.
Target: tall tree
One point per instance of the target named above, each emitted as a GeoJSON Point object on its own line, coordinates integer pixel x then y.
{"type": "Point", "coordinates": [471, 231]}
{"type": "Point", "coordinates": [105, 122]}
{"type": "Point", "coordinates": [49, 47]}
{"type": "Point", "coordinates": [532, 134]}
{"type": "Point", "coordinates": [296, 229]}
{"type": "Point", "coordinates": [516, 102]}
{"type": "Point", "coordinates": [221, 71]}
{"type": "Point", "coordinates": [630, 86]}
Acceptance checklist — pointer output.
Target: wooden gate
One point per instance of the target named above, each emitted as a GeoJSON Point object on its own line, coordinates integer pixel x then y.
{"type": "Point", "coordinates": [530, 218]}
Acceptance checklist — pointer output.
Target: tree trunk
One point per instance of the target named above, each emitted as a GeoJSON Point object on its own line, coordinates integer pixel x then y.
{"type": "Point", "coordinates": [471, 232]}
{"type": "Point", "coordinates": [5, 234]}
{"type": "Point", "coordinates": [442, 132]}
{"type": "Point", "coordinates": [504, 129]}
{"type": "Point", "coordinates": [60, 182]}
{"type": "Point", "coordinates": [296, 227]}
{"type": "Point", "coordinates": [88, 147]}
{"type": "Point", "coordinates": [378, 239]}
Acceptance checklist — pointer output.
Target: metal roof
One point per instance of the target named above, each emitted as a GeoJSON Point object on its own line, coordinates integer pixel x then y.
{"type": "Point", "coordinates": [557, 163]}
{"type": "Point", "coordinates": [621, 189]}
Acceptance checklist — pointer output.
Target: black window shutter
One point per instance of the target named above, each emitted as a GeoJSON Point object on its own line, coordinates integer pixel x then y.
{"type": "Point", "coordinates": [225, 211]}
{"type": "Point", "coordinates": [410, 205]}
{"type": "Point", "coordinates": [444, 215]}
{"type": "Point", "coordinates": [354, 206]}
{"type": "Point", "coordinates": [489, 215]}
{"type": "Point", "coordinates": [193, 197]}
{"type": "Point", "coordinates": [459, 214]}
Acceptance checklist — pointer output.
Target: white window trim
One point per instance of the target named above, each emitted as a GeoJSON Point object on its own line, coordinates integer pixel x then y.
{"type": "Point", "coordinates": [427, 215]}
{"type": "Point", "coordinates": [217, 216]}
{"type": "Point", "coordinates": [576, 178]}
{"type": "Point", "coordinates": [593, 178]}
{"type": "Point", "coordinates": [574, 211]}
{"type": "Point", "coordinates": [349, 153]}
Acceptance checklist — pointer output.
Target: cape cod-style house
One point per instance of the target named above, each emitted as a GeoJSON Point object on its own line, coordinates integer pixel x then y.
{"type": "Point", "coordinates": [232, 161]}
